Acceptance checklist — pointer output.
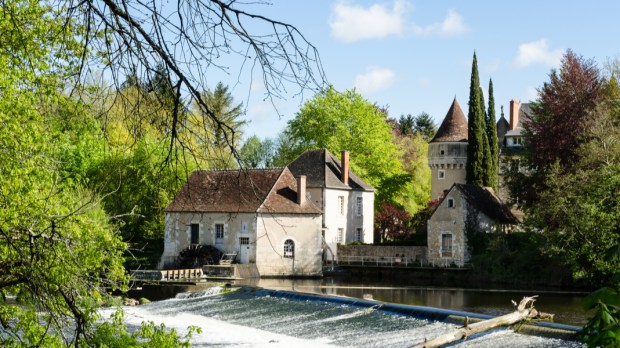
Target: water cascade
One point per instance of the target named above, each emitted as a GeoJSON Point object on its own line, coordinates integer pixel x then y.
{"type": "Point", "coordinates": [257, 318]}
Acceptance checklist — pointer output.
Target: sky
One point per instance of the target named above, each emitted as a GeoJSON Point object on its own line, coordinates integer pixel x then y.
{"type": "Point", "coordinates": [415, 56]}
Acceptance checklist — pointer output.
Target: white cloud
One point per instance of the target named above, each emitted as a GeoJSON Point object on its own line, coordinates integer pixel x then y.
{"type": "Point", "coordinates": [375, 79]}
{"type": "Point", "coordinates": [351, 22]}
{"type": "Point", "coordinates": [537, 52]}
{"type": "Point", "coordinates": [451, 26]}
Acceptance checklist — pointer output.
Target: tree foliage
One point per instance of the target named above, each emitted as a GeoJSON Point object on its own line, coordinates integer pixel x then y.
{"type": "Point", "coordinates": [560, 113]}
{"type": "Point", "coordinates": [476, 131]}
{"type": "Point", "coordinates": [346, 121]}
{"type": "Point", "coordinates": [491, 130]}
{"type": "Point", "coordinates": [57, 248]}
{"type": "Point", "coordinates": [392, 223]}
{"type": "Point", "coordinates": [256, 153]}
{"type": "Point", "coordinates": [77, 165]}
{"type": "Point", "coordinates": [580, 210]}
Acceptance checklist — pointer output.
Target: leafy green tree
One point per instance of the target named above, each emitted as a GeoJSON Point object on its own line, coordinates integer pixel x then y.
{"type": "Point", "coordinates": [256, 153]}
{"type": "Point", "coordinates": [476, 131]}
{"type": "Point", "coordinates": [414, 192]}
{"type": "Point", "coordinates": [491, 131]}
{"type": "Point", "coordinates": [346, 121]}
{"type": "Point", "coordinates": [579, 210]}
{"type": "Point", "coordinates": [57, 250]}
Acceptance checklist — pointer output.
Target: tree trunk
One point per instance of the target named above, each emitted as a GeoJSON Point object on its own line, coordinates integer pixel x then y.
{"type": "Point", "coordinates": [524, 311]}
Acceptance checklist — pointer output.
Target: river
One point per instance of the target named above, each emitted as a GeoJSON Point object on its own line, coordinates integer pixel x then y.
{"type": "Point", "coordinates": [250, 318]}
{"type": "Point", "coordinates": [566, 306]}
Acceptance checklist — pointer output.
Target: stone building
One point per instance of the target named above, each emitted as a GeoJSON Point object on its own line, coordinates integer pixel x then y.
{"type": "Point", "coordinates": [464, 206]}
{"type": "Point", "coordinates": [346, 201]}
{"type": "Point", "coordinates": [461, 206]}
{"type": "Point", "coordinates": [447, 152]}
{"type": "Point", "coordinates": [260, 214]}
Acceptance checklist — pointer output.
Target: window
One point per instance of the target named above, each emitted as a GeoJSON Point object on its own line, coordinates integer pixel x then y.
{"type": "Point", "coordinates": [219, 231]}
{"type": "Point", "coordinates": [442, 152]}
{"type": "Point", "coordinates": [450, 202]}
{"type": "Point", "coordinates": [341, 205]}
{"type": "Point", "coordinates": [359, 236]}
{"type": "Point", "coordinates": [441, 174]}
{"type": "Point", "coordinates": [244, 240]}
{"type": "Point", "coordinates": [244, 227]}
{"type": "Point", "coordinates": [446, 244]}
{"type": "Point", "coordinates": [359, 206]}
{"type": "Point", "coordinates": [340, 236]}
{"type": "Point", "coordinates": [194, 228]}
{"type": "Point", "coordinates": [289, 249]}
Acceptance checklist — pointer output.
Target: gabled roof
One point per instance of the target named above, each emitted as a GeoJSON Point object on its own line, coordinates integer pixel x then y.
{"type": "Point", "coordinates": [240, 191]}
{"type": "Point", "coordinates": [454, 126]}
{"type": "Point", "coordinates": [324, 170]}
{"type": "Point", "coordinates": [485, 201]}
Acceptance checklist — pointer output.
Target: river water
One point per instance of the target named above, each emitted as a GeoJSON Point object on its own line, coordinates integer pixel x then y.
{"type": "Point", "coordinates": [566, 306]}
{"type": "Point", "coordinates": [248, 318]}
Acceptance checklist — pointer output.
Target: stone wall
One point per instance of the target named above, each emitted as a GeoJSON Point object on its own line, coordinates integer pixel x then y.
{"type": "Point", "coordinates": [414, 252]}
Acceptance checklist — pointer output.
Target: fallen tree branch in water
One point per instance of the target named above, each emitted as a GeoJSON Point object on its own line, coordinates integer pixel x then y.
{"type": "Point", "coordinates": [524, 311]}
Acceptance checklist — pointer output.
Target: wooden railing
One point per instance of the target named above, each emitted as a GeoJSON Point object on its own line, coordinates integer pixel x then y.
{"type": "Point", "coordinates": [169, 274]}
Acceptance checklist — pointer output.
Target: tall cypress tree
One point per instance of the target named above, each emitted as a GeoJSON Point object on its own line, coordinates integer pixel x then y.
{"type": "Point", "coordinates": [493, 169]}
{"type": "Point", "coordinates": [476, 133]}
{"type": "Point", "coordinates": [487, 161]}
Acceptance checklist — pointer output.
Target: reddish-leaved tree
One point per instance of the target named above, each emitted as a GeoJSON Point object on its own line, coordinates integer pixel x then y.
{"type": "Point", "coordinates": [392, 223]}
{"type": "Point", "coordinates": [560, 114]}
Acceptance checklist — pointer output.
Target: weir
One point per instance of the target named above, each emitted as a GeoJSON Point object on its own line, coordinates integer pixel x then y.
{"type": "Point", "coordinates": [257, 317]}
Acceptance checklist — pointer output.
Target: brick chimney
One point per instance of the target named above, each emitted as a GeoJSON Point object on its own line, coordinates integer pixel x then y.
{"type": "Point", "coordinates": [301, 189]}
{"type": "Point", "coordinates": [514, 114]}
{"type": "Point", "coordinates": [345, 167]}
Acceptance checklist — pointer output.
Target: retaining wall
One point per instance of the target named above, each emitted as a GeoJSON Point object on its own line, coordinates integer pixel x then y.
{"type": "Point", "coordinates": [417, 253]}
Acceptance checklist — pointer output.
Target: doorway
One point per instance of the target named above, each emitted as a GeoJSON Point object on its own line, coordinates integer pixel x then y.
{"type": "Point", "coordinates": [244, 250]}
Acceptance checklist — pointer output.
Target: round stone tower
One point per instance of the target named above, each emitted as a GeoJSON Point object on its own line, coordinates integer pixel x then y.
{"type": "Point", "coordinates": [447, 152]}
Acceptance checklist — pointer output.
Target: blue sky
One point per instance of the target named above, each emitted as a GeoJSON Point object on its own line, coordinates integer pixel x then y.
{"type": "Point", "coordinates": [415, 56]}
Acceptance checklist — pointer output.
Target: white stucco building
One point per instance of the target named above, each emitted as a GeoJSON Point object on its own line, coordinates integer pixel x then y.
{"type": "Point", "coordinates": [347, 202]}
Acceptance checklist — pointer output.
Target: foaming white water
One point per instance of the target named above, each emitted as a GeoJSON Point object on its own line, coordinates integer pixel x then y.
{"type": "Point", "coordinates": [216, 290]}
{"type": "Point", "coordinates": [248, 319]}
{"type": "Point", "coordinates": [218, 333]}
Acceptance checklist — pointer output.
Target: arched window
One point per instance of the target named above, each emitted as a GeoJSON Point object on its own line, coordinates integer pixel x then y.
{"type": "Point", "coordinates": [289, 249]}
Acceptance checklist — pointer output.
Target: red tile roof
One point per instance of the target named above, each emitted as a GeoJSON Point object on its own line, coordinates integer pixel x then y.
{"type": "Point", "coordinates": [240, 191]}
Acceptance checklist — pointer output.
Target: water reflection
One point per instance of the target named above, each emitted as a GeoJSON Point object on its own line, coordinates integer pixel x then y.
{"type": "Point", "coordinates": [565, 306]}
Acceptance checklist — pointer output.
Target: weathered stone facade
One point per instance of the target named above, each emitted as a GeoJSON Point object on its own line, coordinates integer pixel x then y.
{"type": "Point", "coordinates": [257, 214]}
{"type": "Point", "coordinates": [464, 207]}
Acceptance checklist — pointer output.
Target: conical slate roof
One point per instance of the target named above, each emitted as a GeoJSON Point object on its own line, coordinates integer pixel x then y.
{"type": "Point", "coordinates": [454, 126]}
